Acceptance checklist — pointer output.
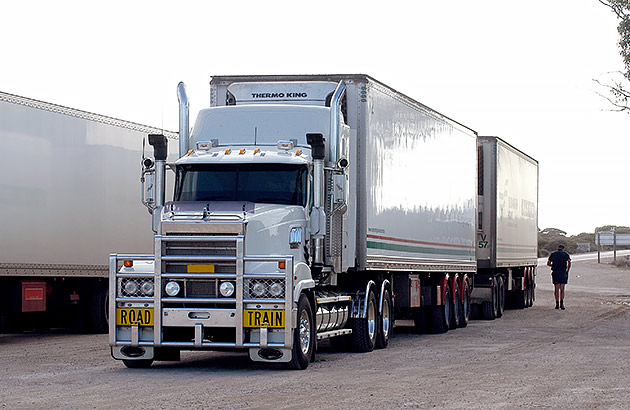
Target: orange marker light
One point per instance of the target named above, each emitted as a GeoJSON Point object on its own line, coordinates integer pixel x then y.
{"type": "Point", "coordinates": [298, 152]}
{"type": "Point", "coordinates": [242, 151]}
{"type": "Point", "coordinates": [282, 265]}
{"type": "Point", "coordinates": [228, 151]}
{"type": "Point", "coordinates": [128, 264]}
{"type": "Point", "coordinates": [256, 151]}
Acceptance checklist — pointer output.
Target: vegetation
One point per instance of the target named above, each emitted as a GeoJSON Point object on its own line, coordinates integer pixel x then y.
{"type": "Point", "coordinates": [619, 88]}
{"type": "Point", "coordinates": [550, 238]}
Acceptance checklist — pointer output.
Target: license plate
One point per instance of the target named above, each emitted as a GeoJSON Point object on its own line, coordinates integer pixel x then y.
{"type": "Point", "coordinates": [262, 318]}
{"type": "Point", "coordinates": [199, 268]}
{"type": "Point", "coordinates": [129, 316]}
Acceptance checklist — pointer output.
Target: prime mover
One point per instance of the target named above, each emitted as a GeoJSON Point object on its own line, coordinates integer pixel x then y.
{"type": "Point", "coordinates": [311, 207]}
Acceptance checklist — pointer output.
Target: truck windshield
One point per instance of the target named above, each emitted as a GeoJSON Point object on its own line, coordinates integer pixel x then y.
{"type": "Point", "coordinates": [260, 183]}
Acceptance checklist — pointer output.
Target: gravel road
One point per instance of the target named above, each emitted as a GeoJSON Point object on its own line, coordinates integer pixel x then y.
{"type": "Point", "coordinates": [533, 358]}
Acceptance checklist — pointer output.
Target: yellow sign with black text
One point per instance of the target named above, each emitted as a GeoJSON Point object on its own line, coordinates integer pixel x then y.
{"type": "Point", "coordinates": [263, 318]}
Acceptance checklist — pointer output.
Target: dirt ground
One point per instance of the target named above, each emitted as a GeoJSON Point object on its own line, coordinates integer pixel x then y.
{"type": "Point", "coordinates": [533, 358]}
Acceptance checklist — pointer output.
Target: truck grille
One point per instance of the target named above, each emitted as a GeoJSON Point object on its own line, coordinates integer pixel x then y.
{"type": "Point", "coordinates": [201, 288]}
{"type": "Point", "coordinates": [200, 248]}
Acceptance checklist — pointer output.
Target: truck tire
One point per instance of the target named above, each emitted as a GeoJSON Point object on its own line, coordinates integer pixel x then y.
{"type": "Point", "coordinates": [465, 310]}
{"type": "Point", "coordinates": [489, 307]}
{"type": "Point", "coordinates": [303, 336]}
{"type": "Point", "coordinates": [138, 364]}
{"type": "Point", "coordinates": [500, 296]}
{"type": "Point", "coordinates": [440, 314]}
{"type": "Point", "coordinates": [99, 311]}
{"type": "Point", "coordinates": [520, 299]}
{"type": "Point", "coordinates": [457, 307]}
{"type": "Point", "coordinates": [363, 337]}
{"type": "Point", "coordinates": [385, 322]}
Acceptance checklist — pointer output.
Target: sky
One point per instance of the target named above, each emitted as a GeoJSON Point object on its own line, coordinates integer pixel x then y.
{"type": "Point", "coordinates": [523, 71]}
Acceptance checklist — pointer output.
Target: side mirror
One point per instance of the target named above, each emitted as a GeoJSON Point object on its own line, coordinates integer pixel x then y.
{"type": "Point", "coordinates": [148, 184]}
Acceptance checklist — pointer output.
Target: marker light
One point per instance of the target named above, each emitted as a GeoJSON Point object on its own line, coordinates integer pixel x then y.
{"type": "Point", "coordinates": [298, 152]}
{"type": "Point", "coordinates": [128, 264]}
{"type": "Point", "coordinates": [203, 146]}
{"type": "Point", "coordinates": [228, 151]}
{"type": "Point", "coordinates": [282, 265]}
{"type": "Point", "coordinates": [242, 151]}
{"type": "Point", "coordinates": [256, 151]}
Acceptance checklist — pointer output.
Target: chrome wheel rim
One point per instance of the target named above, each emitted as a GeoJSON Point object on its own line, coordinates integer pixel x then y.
{"type": "Point", "coordinates": [386, 318]}
{"type": "Point", "coordinates": [371, 320]}
{"type": "Point", "coordinates": [305, 332]}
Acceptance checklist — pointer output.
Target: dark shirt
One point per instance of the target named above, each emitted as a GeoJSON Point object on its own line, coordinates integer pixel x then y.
{"type": "Point", "coordinates": [559, 261]}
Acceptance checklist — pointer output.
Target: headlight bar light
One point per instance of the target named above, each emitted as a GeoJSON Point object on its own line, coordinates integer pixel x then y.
{"type": "Point", "coordinates": [136, 287]}
{"type": "Point", "coordinates": [264, 288]}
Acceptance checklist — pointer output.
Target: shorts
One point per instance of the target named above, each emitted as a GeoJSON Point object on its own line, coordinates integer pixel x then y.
{"type": "Point", "coordinates": [560, 277]}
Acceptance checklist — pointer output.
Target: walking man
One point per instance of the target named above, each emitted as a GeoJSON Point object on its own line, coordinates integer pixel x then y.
{"type": "Point", "coordinates": [560, 263]}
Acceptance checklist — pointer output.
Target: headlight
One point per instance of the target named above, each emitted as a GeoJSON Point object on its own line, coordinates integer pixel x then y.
{"type": "Point", "coordinates": [172, 288]}
{"type": "Point", "coordinates": [147, 288]}
{"type": "Point", "coordinates": [276, 289]}
{"type": "Point", "coordinates": [130, 287]}
{"type": "Point", "coordinates": [226, 289]}
{"type": "Point", "coordinates": [259, 289]}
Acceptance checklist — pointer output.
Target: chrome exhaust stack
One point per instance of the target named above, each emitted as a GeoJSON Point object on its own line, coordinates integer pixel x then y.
{"type": "Point", "coordinates": [183, 119]}
{"type": "Point", "coordinates": [335, 133]}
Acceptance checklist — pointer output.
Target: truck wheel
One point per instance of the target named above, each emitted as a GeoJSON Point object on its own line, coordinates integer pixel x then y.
{"type": "Point", "coordinates": [489, 307]}
{"type": "Point", "coordinates": [500, 296]}
{"type": "Point", "coordinates": [138, 364]}
{"type": "Point", "coordinates": [303, 336]}
{"type": "Point", "coordinates": [385, 322]}
{"type": "Point", "coordinates": [363, 337]}
{"type": "Point", "coordinates": [440, 314]}
{"type": "Point", "coordinates": [465, 308]}
{"type": "Point", "coordinates": [99, 311]}
{"type": "Point", "coordinates": [457, 307]}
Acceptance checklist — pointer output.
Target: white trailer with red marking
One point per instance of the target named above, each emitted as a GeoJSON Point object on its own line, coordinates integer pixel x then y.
{"type": "Point", "coordinates": [68, 196]}
{"type": "Point", "coordinates": [507, 231]}
{"type": "Point", "coordinates": [305, 208]}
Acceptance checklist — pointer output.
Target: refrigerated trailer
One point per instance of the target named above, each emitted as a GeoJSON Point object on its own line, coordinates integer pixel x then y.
{"type": "Point", "coordinates": [507, 229]}
{"type": "Point", "coordinates": [305, 208]}
{"type": "Point", "coordinates": [68, 195]}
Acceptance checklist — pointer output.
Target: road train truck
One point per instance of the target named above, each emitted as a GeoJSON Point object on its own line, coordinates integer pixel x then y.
{"type": "Point", "coordinates": [68, 196]}
{"type": "Point", "coordinates": [304, 208]}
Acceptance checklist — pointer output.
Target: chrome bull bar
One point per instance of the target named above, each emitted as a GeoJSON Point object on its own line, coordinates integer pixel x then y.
{"type": "Point", "coordinates": [239, 300]}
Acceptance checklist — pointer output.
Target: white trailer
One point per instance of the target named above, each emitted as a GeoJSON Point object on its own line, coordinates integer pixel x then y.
{"type": "Point", "coordinates": [68, 195]}
{"type": "Point", "coordinates": [303, 207]}
{"type": "Point", "coordinates": [507, 246]}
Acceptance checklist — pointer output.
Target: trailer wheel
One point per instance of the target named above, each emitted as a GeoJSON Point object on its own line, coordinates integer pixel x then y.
{"type": "Point", "coordinates": [99, 311]}
{"type": "Point", "coordinates": [465, 311]}
{"type": "Point", "coordinates": [363, 337]}
{"type": "Point", "coordinates": [440, 314]}
{"type": "Point", "coordinates": [385, 322]}
{"type": "Point", "coordinates": [500, 296]}
{"type": "Point", "coordinates": [303, 336]}
{"type": "Point", "coordinates": [489, 308]}
{"type": "Point", "coordinates": [138, 364]}
{"type": "Point", "coordinates": [457, 307]}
